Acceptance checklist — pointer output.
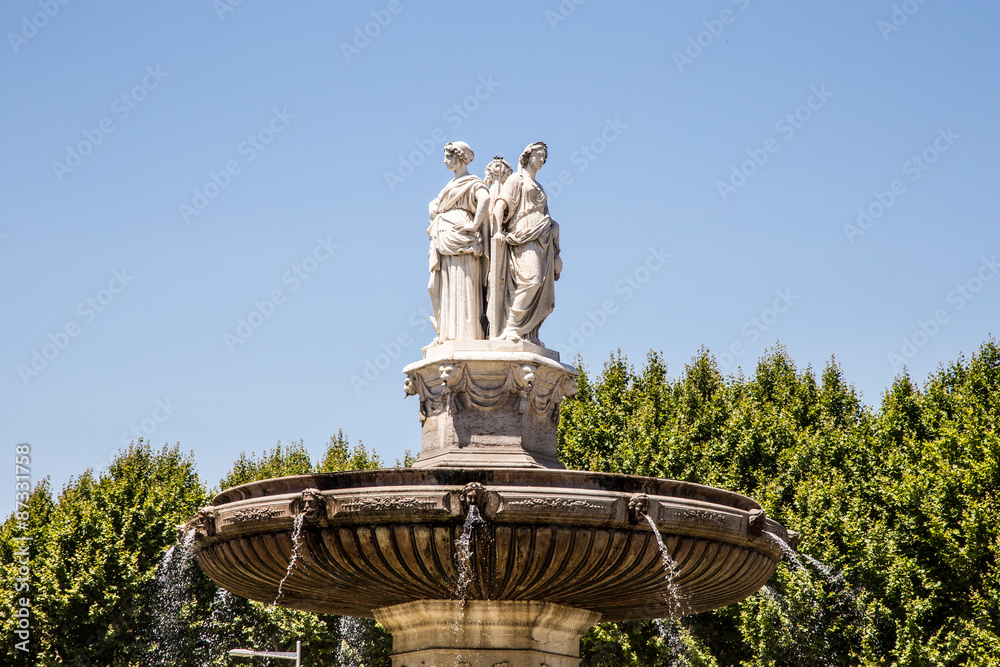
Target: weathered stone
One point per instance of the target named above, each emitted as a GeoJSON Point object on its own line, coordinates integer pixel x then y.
{"type": "Point", "coordinates": [512, 634]}
{"type": "Point", "coordinates": [568, 537]}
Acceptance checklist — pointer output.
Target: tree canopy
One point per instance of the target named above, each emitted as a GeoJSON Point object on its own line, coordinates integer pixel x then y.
{"type": "Point", "coordinates": [898, 509]}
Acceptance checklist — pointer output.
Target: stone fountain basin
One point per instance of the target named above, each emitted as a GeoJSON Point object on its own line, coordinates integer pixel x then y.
{"type": "Point", "coordinates": [377, 538]}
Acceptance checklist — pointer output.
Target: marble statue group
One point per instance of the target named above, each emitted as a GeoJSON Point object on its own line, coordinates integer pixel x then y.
{"type": "Point", "coordinates": [494, 250]}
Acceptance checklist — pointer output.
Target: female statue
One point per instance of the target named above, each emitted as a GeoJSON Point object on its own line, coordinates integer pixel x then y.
{"type": "Point", "coordinates": [459, 215]}
{"type": "Point", "coordinates": [530, 240]}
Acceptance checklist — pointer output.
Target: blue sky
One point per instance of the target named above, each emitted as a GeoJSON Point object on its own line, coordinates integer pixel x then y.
{"type": "Point", "coordinates": [726, 173]}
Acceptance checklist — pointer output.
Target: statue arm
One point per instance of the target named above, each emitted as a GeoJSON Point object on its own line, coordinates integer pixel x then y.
{"type": "Point", "coordinates": [507, 202]}
{"type": "Point", "coordinates": [479, 220]}
{"type": "Point", "coordinates": [499, 211]}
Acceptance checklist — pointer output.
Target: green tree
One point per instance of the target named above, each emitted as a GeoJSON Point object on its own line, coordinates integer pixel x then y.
{"type": "Point", "coordinates": [94, 555]}
{"type": "Point", "coordinates": [897, 508]}
{"type": "Point", "coordinates": [942, 554]}
{"type": "Point", "coordinates": [278, 462]}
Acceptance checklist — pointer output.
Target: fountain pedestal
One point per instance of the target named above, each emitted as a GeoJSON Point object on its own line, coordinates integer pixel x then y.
{"type": "Point", "coordinates": [489, 404]}
{"type": "Point", "coordinates": [485, 633]}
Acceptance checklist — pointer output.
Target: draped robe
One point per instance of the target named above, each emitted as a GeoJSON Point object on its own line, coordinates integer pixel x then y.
{"type": "Point", "coordinates": [457, 263]}
{"type": "Point", "coordinates": [531, 256]}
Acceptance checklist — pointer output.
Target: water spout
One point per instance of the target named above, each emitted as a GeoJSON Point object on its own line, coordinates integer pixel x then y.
{"type": "Point", "coordinates": [638, 507]}
{"type": "Point", "coordinates": [756, 523]}
{"type": "Point", "coordinates": [474, 496]}
{"type": "Point", "coordinates": [786, 550]}
{"type": "Point", "coordinates": [312, 504]}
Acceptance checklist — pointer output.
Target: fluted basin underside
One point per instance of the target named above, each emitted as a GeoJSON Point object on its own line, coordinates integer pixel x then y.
{"type": "Point", "coordinates": [373, 539]}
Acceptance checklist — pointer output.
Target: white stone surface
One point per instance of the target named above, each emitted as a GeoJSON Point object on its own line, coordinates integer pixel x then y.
{"type": "Point", "coordinates": [526, 258]}
{"type": "Point", "coordinates": [459, 233]}
{"type": "Point", "coordinates": [494, 250]}
{"type": "Point", "coordinates": [489, 403]}
{"type": "Point", "coordinates": [475, 349]}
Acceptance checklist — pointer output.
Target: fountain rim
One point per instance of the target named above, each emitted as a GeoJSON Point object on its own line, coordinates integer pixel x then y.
{"type": "Point", "coordinates": [452, 476]}
{"type": "Point", "coordinates": [358, 517]}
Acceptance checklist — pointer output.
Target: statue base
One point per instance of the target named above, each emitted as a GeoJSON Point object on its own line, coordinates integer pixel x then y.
{"type": "Point", "coordinates": [477, 632]}
{"type": "Point", "coordinates": [489, 404]}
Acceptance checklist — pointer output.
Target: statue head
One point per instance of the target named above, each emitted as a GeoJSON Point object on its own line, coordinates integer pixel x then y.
{"type": "Point", "coordinates": [313, 504]}
{"type": "Point", "coordinates": [450, 373]}
{"type": "Point", "coordinates": [538, 148]}
{"type": "Point", "coordinates": [497, 171]}
{"type": "Point", "coordinates": [474, 493]}
{"type": "Point", "coordinates": [204, 522]}
{"type": "Point", "coordinates": [460, 151]}
{"type": "Point", "coordinates": [638, 507]}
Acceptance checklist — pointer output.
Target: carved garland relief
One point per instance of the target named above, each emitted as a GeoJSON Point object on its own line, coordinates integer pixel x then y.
{"type": "Point", "coordinates": [455, 389]}
{"type": "Point", "coordinates": [376, 504]}
{"type": "Point", "coordinates": [249, 514]}
{"type": "Point", "coordinates": [556, 503]}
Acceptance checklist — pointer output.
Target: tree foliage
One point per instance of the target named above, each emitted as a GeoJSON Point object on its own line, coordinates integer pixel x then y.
{"type": "Point", "coordinates": [898, 508]}
{"type": "Point", "coordinates": [94, 552]}
{"type": "Point", "coordinates": [110, 587]}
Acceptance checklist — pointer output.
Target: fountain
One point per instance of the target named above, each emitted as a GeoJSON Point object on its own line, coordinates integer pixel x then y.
{"type": "Point", "coordinates": [487, 551]}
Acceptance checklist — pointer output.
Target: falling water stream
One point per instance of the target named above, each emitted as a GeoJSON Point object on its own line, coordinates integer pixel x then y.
{"type": "Point", "coordinates": [172, 584]}
{"type": "Point", "coordinates": [670, 630]}
{"type": "Point", "coordinates": [464, 563]}
{"type": "Point", "coordinates": [464, 560]}
{"type": "Point", "coordinates": [787, 551]}
{"type": "Point", "coordinates": [674, 599]}
{"type": "Point", "coordinates": [812, 614]}
{"type": "Point", "coordinates": [824, 569]}
{"type": "Point", "coordinates": [296, 545]}
{"type": "Point", "coordinates": [217, 634]}
{"type": "Point", "coordinates": [352, 637]}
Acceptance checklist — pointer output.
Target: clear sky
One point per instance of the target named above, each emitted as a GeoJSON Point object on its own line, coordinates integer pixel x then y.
{"type": "Point", "coordinates": [213, 215]}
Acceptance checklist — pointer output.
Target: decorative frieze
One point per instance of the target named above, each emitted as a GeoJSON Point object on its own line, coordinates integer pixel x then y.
{"type": "Point", "coordinates": [452, 387]}
{"type": "Point", "coordinates": [705, 517]}
{"type": "Point", "coordinates": [569, 504]}
{"type": "Point", "coordinates": [384, 503]}
{"type": "Point", "coordinates": [673, 515]}
{"type": "Point", "coordinates": [250, 514]}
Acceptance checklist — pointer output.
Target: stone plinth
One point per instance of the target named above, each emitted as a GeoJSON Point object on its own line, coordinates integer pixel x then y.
{"type": "Point", "coordinates": [489, 403]}
{"type": "Point", "coordinates": [481, 633]}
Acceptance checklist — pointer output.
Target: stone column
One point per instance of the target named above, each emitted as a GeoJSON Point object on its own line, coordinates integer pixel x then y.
{"type": "Point", "coordinates": [483, 633]}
